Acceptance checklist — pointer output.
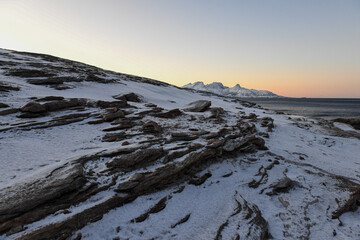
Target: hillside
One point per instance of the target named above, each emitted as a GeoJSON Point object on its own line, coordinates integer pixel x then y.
{"type": "Point", "coordinates": [87, 153]}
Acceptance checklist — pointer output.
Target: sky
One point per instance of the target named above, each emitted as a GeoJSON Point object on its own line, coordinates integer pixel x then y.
{"type": "Point", "coordinates": [307, 48]}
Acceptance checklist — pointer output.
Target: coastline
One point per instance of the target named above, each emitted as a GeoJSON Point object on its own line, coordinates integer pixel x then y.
{"type": "Point", "coordinates": [324, 108]}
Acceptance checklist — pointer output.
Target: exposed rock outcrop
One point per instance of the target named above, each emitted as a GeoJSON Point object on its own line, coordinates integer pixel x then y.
{"type": "Point", "coordinates": [282, 185]}
{"type": "Point", "coordinates": [351, 204]}
{"type": "Point", "coordinates": [151, 127]}
{"type": "Point", "coordinates": [169, 114]}
{"type": "Point", "coordinates": [107, 104]}
{"type": "Point", "coordinates": [34, 107]}
{"type": "Point", "coordinates": [6, 87]}
{"type": "Point", "coordinates": [114, 137]}
{"type": "Point", "coordinates": [9, 111]}
{"type": "Point", "coordinates": [112, 114]}
{"type": "Point", "coordinates": [197, 106]}
{"type": "Point", "coordinates": [354, 122]}
{"type": "Point", "coordinates": [158, 162]}
{"type": "Point", "coordinates": [130, 97]}
{"type": "Point", "coordinates": [137, 159]}
{"type": "Point", "coordinates": [3, 105]}
{"type": "Point", "coordinates": [22, 197]}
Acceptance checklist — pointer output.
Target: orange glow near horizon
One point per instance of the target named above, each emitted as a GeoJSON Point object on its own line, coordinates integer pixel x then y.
{"type": "Point", "coordinates": [274, 48]}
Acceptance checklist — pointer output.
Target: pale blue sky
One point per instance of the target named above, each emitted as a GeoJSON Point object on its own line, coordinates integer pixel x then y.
{"type": "Point", "coordinates": [295, 48]}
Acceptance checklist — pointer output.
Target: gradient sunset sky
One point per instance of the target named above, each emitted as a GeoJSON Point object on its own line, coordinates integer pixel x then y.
{"type": "Point", "coordinates": [307, 48]}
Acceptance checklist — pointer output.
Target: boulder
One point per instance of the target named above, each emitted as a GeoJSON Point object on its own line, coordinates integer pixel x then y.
{"type": "Point", "coordinates": [114, 137]}
{"type": "Point", "coordinates": [246, 144]}
{"type": "Point", "coordinates": [282, 185]}
{"type": "Point", "coordinates": [130, 97]}
{"type": "Point", "coordinates": [245, 127]}
{"type": "Point", "coordinates": [151, 127]}
{"type": "Point", "coordinates": [170, 114]}
{"type": "Point", "coordinates": [267, 122]}
{"type": "Point", "coordinates": [197, 106]}
{"type": "Point", "coordinates": [63, 104]}
{"type": "Point", "coordinates": [112, 115]}
{"type": "Point", "coordinates": [33, 107]}
{"type": "Point", "coordinates": [216, 112]}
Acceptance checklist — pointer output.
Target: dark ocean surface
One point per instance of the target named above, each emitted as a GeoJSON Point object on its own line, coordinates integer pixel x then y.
{"type": "Point", "coordinates": [328, 108]}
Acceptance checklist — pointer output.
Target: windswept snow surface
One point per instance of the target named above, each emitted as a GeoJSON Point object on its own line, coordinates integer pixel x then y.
{"type": "Point", "coordinates": [307, 215]}
{"type": "Point", "coordinates": [304, 150]}
{"type": "Point", "coordinates": [236, 91]}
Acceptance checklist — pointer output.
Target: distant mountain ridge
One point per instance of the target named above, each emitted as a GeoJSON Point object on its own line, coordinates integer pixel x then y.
{"type": "Point", "coordinates": [236, 91]}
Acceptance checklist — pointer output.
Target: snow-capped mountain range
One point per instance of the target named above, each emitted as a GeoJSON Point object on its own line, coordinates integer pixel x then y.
{"type": "Point", "coordinates": [236, 91]}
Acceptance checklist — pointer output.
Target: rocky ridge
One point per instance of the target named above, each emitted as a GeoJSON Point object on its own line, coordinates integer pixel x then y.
{"type": "Point", "coordinates": [138, 163]}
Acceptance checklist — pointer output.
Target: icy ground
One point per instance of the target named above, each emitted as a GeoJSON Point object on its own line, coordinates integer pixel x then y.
{"type": "Point", "coordinates": [291, 190]}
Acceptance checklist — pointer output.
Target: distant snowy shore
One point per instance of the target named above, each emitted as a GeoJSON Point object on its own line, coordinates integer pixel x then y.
{"type": "Point", "coordinates": [236, 91]}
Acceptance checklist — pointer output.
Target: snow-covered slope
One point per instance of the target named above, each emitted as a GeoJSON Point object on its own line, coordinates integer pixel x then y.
{"type": "Point", "coordinates": [92, 154]}
{"type": "Point", "coordinates": [236, 91]}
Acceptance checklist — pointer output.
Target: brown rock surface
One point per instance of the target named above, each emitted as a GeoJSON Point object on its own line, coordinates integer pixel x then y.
{"type": "Point", "coordinates": [197, 106]}
{"type": "Point", "coordinates": [130, 97]}
{"type": "Point", "coordinates": [151, 127]}
{"type": "Point", "coordinates": [114, 137]}
{"type": "Point", "coordinates": [170, 114]}
{"type": "Point", "coordinates": [33, 107]}
{"type": "Point", "coordinates": [8, 111]}
{"type": "Point", "coordinates": [136, 159]}
{"type": "Point", "coordinates": [112, 115]}
{"type": "Point", "coordinates": [107, 104]}
{"type": "Point", "coordinates": [21, 197]}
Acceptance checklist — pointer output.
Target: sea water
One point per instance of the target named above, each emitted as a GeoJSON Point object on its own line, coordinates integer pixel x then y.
{"type": "Point", "coordinates": [327, 108]}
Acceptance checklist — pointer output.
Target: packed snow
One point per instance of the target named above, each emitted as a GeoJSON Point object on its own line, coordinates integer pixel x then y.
{"type": "Point", "coordinates": [303, 149]}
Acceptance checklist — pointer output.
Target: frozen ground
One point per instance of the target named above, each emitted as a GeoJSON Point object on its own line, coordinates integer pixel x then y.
{"type": "Point", "coordinates": [240, 197]}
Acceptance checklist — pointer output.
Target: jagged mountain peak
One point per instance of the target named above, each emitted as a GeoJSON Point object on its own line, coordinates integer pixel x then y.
{"type": "Point", "coordinates": [237, 86]}
{"type": "Point", "coordinates": [236, 91]}
{"type": "Point", "coordinates": [216, 85]}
